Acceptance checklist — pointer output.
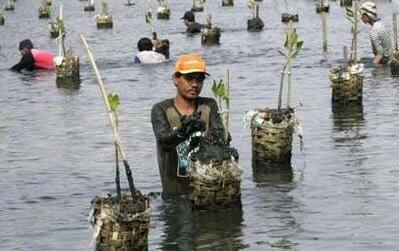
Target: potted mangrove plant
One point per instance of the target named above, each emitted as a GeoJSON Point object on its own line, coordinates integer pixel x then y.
{"type": "Point", "coordinates": [210, 35]}
{"type": "Point", "coordinates": [347, 80]}
{"type": "Point", "coordinates": [255, 23]}
{"type": "Point", "coordinates": [198, 5]}
{"type": "Point", "coordinates": [272, 129]}
{"type": "Point", "coordinates": [9, 5]}
{"type": "Point", "coordinates": [214, 172]}
{"type": "Point", "coordinates": [322, 6]}
{"type": "Point", "coordinates": [57, 25]}
{"type": "Point", "coordinates": [2, 19]}
{"type": "Point", "coordinates": [163, 11]}
{"type": "Point", "coordinates": [104, 19]}
{"type": "Point", "coordinates": [90, 6]}
{"type": "Point", "coordinates": [160, 45]}
{"type": "Point", "coordinates": [44, 10]}
{"type": "Point", "coordinates": [227, 3]}
{"type": "Point", "coordinates": [66, 63]}
{"type": "Point", "coordinates": [120, 222]}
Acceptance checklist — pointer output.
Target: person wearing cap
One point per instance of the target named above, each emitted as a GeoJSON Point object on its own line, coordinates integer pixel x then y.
{"type": "Point", "coordinates": [146, 54]}
{"type": "Point", "coordinates": [179, 120]}
{"type": "Point", "coordinates": [189, 21]}
{"type": "Point", "coordinates": [380, 34]}
{"type": "Point", "coordinates": [33, 58]}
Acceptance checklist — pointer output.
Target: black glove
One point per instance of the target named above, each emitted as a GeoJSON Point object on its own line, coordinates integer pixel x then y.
{"type": "Point", "coordinates": [191, 124]}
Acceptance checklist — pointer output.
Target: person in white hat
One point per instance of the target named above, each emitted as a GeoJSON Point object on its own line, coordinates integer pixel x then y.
{"type": "Point", "coordinates": [380, 34]}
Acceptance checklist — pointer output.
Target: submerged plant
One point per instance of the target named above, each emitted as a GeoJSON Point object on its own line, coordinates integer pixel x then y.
{"type": "Point", "coordinates": [293, 45]}
{"type": "Point", "coordinates": [354, 18]}
{"type": "Point", "coordinates": [221, 91]}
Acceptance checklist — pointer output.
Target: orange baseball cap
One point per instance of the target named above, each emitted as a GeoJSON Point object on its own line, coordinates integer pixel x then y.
{"type": "Point", "coordinates": [189, 63]}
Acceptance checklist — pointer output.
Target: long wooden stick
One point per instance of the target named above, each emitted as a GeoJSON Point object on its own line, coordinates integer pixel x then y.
{"type": "Point", "coordinates": [228, 104]}
{"type": "Point", "coordinates": [117, 179]}
{"type": "Point", "coordinates": [111, 118]}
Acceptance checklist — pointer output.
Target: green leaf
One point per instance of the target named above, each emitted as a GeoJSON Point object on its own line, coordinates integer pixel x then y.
{"type": "Point", "coordinates": [113, 100]}
{"type": "Point", "coordinates": [148, 17]}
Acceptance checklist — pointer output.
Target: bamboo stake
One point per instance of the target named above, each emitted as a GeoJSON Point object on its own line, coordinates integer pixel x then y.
{"type": "Point", "coordinates": [324, 25]}
{"type": "Point", "coordinates": [355, 33]}
{"type": "Point", "coordinates": [289, 67]}
{"type": "Point", "coordinates": [345, 53]}
{"type": "Point", "coordinates": [257, 11]}
{"type": "Point", "coordinates": [117, 179]}
{"type": "Point", "coordinates": [111, 119]}
{"type": "Point", "coordinates": [395, 31]}
{"type": "Point", "coordinates": [280, 93]}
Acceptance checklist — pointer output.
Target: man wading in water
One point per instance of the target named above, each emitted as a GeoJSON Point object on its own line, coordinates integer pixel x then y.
{"type": "Point", "coordinates": [32, 58]}
{"type": "Point", "coordinates": [380, 34]}
{"type": "Point", "coordinates": [189, 21]}
{"type": "Point", "coordinates": [179, 121]}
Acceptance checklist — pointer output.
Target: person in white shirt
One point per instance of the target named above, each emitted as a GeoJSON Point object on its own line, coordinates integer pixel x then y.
{"type": "Point", "coordinates": [146, 54]}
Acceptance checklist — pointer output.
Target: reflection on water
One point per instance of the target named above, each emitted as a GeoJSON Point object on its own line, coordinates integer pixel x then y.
{"type": "Point", "coordinates": [277, 205]}
{"type": "Point", "coordinates": [186, 229]}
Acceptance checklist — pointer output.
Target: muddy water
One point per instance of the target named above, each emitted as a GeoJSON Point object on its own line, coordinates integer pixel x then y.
{"type": "Point", "coordinates": [56, 152]}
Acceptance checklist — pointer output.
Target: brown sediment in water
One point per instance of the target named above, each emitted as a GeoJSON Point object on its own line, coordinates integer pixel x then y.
{"type": "Point", "coordinates": [120, 225]}
{"type": "Point", "coordinates": [210, 36]}
{"type": "Point", "coordinates": [272, 140]}
{"type": "Point", "coordinates": [214, 175]}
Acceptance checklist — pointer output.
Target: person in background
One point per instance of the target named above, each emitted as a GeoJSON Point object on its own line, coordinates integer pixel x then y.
{"type": "Point", "coordinates": [146, 54]}
{"type": "Point", "coordinates": [380, 34]}
{"type": "Point", "coordinates": [179, 121]}
{"type": "Point", "coordinates": [33, 58]}
{"type": "Point", "coordinates": [189, 21]}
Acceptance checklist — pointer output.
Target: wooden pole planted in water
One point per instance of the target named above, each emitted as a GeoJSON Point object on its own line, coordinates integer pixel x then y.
{"type": "Point", "coordinates": [117, 179]}
{"type": "Point", "coordinates": [345, 54]}
{"type": "Point", "coordinates": [226, 136]}
{"type": "Point", "coordinates": [111, 119]}
{"type": "Point", "coordinates": [355, 33]}
{"type": "Point", "coordinates": [61, 48]}
{"type": "Point", "coordinates": [324, 25]}
{"type": "Point", "coordinates": [395, 31]}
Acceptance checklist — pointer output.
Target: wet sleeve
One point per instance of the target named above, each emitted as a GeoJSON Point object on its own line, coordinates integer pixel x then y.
{"type": "Point", "coordinates": [215, 120]}
{"type": "Point", "coordinates": [166, 137]}
{"type": "Point", "coordinates": [26, 62]}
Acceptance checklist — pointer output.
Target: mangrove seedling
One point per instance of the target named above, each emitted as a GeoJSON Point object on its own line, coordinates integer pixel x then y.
{"type": "Point", "coordinates": [221, 92]}
{"type": "Point", "coordinates": [149, 18]}
{"type": "Point", "coordinates": [255, 23]}
{"type": "Point", "coordinates": [353, 17]}
{"type": "Point", "coordinates": [227, 2]}
{"type": "Point", "coordinates": [292, 45]}
{"type": "Point", "coordinates": [104, 19]}
{"type": "Point", "coordinates": [44, 10]}
{"type": "Point", "coordinates": [210, 35]}
{"type": "Point", "coordinates": [56, 26]}
{"type": "Point", "coordinates": [9, 5]}
{"type": "Point", "coordinates": [198, 5]}
{"type": "Point", "coordinates": [163, 11]}
{"type": "Point", "coordinates": [322, 6]}
{"type": "Point", "coordinates": [90, 6]}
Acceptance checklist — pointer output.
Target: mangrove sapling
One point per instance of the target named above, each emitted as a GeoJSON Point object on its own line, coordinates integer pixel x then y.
{"type": "Point", "coordinates": [221, 92]}
{"type": "Point", "coordinates": [104, 19]}
{"type": "Point", "coordinates": [160, 45]}
{"type": "Point", "coordinates": [90, 6]}
{"type": "Point", "coordinates": [210, 35]}
{"type": "Point", "coordinates": [163, 11]}
{"type": "Point", "coordinates": [9, 5]}
{"type": "Point", "coordinates": [114, 104]}
{"type": "Point", "coordinates": [67, 64]}
{"type": "Point", "coordinates": [198, 5]}
{"type": "Point", "coordinates": [255, 23]}
{"type": "Point", "coordinates": [272, 129]}
{"type": "Point", "coordinates": [322, 6]}
{"type": "Point", "coordinates": [56, 26]}
{"type": "Point", "coordinates": [227, 3]}
{"type": "Point", "coordinates": [347, 81]}
{"type": "Point", "coordinates": [121, 222]}
{"type": "Point", "coordinates": [44, 10]}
